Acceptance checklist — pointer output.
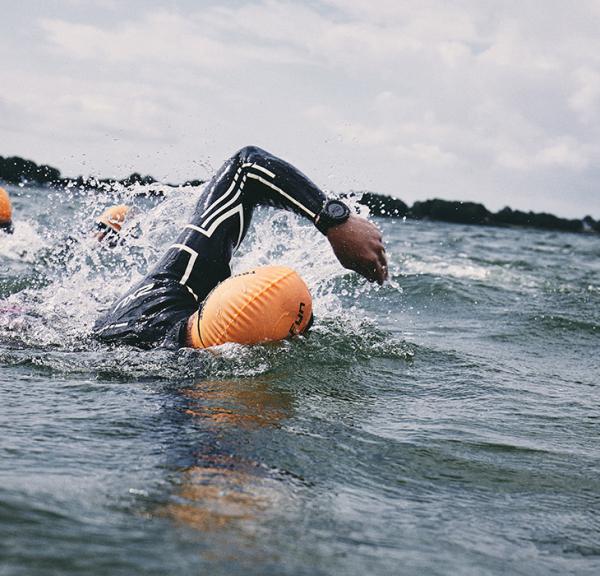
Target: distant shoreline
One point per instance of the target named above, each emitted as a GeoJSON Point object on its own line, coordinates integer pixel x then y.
{"type": "Point", "coordinates": [458, 212]}
{"type": "Point", "coordinates": [21, 172]}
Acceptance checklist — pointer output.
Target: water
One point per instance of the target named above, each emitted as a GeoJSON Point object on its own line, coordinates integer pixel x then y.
{"type": "Point", "coordinates": [446, 423]}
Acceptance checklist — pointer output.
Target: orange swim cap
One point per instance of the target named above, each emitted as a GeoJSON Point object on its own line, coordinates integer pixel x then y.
{"type": "Point", "coordinates": [5, 207]}
{"type": "Point", "coordinates": [269, 303]}
{"type": "Point", "coordinates": [114, 216]}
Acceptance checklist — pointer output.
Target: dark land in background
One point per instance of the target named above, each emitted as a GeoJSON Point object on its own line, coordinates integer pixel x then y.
{"type": "Point", "coordinates": [18, 171]}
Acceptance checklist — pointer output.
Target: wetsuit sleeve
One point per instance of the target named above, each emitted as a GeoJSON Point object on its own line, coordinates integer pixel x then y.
{"type": "Point", "coordinates": [199, 258]}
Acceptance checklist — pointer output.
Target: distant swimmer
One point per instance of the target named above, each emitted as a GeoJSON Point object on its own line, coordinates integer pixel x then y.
{"type": "Point", "coordinates": [110, 222]}
{"type": "Point", "coordinates": [6, 224]}
{"type": "Point", "coordinates": [189, 298]}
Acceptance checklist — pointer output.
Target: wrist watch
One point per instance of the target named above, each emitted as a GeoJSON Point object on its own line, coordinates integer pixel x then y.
{"type": "Point", "coordinates": [334, 212]}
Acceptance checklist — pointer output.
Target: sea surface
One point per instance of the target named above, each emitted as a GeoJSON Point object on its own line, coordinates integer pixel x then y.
{"type": "Point", "coordinates": [447, 423]}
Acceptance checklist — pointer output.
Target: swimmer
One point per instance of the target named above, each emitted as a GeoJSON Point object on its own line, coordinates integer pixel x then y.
{"type": "Point", "coordinates": [110, 222]}
{"type": "Point", "coordinates": [6, 224]}
{"type": "Point", "coordinates": [189, 298]}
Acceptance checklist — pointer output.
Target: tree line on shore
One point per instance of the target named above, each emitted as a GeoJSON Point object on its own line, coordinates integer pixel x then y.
{"type": "Point", "coordinates": [18, 171]}
{"type": "Point", "coordinates": [474, 213]}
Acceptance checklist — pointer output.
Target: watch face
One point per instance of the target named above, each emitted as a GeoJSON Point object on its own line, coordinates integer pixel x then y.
{"type": "Point", "coordinates": [336, 209]}
{"type": "Point", "coordinates": [334, 212]}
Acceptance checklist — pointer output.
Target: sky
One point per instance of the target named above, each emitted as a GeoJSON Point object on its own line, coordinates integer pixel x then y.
{"type": "Point", "coordinates": [489, 101]}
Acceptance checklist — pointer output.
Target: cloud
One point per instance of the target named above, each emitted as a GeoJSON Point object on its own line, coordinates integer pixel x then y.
{"type": "Point", "coordinates": [204, 40]}
{"type": "Point", "coordinates": [465, 99]}
{"type": "Point", "coordinates": [564, 153]}
{"type": "Point", "coordinates": [585, 99]}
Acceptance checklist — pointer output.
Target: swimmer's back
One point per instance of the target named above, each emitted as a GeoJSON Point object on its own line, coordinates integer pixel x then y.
{"type": "Point", "coordinates": [152, 313]}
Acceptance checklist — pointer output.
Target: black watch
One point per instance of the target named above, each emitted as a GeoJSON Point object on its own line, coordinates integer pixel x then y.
{"type": "Point", "coordinates": [334, 212]}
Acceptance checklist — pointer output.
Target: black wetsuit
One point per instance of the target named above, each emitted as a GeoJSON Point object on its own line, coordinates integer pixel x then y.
{"type": "Point", "coordinates": [155, 310]}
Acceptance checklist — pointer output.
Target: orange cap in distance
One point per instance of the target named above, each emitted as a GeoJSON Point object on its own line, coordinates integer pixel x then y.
{"type": "Point", "coordinates": [269, 303]}
{"type": "Point", "coordinates": [5, 207]}
{"type": "Point", "coordinates": [114, 216]}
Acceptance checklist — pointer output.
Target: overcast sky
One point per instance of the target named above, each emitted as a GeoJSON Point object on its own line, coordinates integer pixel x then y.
{"type": "Point", "coordinates": [491, 101]}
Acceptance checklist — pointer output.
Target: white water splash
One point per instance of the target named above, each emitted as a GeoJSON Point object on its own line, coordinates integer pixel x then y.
{"type": "Point", "coordinates": [24, 244]}
{"type": "Point", "coordinates": [442, 268]}
{"type": "Point", "coordinates": [90, 276]}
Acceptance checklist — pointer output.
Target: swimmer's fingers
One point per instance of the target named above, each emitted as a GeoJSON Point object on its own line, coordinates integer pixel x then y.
{"type": "Point", "coordinates": [381, 274]}
{"type": "Point", "coordinates": [379, 264]}
{"type": "Point", "coordinates": [383, 263]}
{"type": "Point", "coordinates": [374, 269]}
{"type": "Point", "coordinates": [358, 245]}
{"type": "Point", "coordinates": [380, 270]}
{"type": "Point", "coordinates": [383, 256]}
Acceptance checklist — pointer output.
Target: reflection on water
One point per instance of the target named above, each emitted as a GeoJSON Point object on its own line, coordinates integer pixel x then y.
{"type": "Point", "coordinates": [249, 403]}
{"type": "Point", "coordinates": [223, 490]}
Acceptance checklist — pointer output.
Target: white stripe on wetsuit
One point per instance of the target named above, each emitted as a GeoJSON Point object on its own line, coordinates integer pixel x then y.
{"type": "Point", "coordinates": [227, 204]}
{"type": "Point", "coordinates": [256, 177]}
{"type": "Point", "coordinates": [232, 185]}
{"type": "Point", "coordinates": [221, 198]}
{"type": "Point", "coordinates": [190, 266]}
{"type": "Point", "coordinates": [293, 200]}
{"type": "Point", "coordinates": [208, 232]}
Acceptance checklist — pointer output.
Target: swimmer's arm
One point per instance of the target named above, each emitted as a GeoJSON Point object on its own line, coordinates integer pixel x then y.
{"type": "Point", "coordinates": [356, 243]}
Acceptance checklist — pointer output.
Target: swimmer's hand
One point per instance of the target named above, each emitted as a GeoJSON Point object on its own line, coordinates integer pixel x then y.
{"type": "Point", "coordinates": [358, 246]}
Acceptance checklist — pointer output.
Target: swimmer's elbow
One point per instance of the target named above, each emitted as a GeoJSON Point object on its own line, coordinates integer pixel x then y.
{"type": "Point", "coordinates": [250, 154]}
